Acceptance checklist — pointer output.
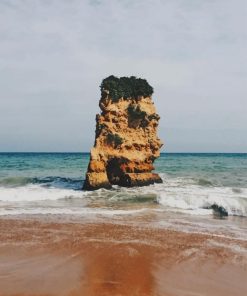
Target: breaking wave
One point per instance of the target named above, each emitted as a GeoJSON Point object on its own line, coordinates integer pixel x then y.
{"type": "Point", "coordinates": [184, 195]}
{"type": "Point", "coordinates": [58, 182]}
{"type": "Point", "coordinates": [176, 194]}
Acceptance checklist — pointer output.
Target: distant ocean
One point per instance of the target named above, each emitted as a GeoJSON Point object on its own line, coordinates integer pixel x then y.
{"type": "Point", "coordinates": [194, 185]}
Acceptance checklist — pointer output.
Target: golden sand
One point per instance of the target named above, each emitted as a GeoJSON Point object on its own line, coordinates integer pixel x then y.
{"type": "Point", "coordinates": [71, 259]}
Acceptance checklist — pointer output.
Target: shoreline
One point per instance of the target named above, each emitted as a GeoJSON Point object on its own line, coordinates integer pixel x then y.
{"type": "Point", "coordinates": [40, 257]}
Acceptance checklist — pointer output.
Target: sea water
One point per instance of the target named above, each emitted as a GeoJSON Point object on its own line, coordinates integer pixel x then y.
{"type": "Point", "coordinates": [199, 191]}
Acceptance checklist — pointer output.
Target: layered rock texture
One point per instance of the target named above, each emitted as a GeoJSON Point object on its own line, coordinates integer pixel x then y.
{"type": "Point", "coordinates": [126, 141]}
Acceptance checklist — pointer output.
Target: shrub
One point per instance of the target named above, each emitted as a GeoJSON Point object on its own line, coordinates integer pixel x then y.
{"type": "Point", "coordinates": [136, 113]}
{"type": "Point", "coordinates": [114, 139]}
{"type": "Point", "coordinates": [101, 126]}
{"type": "Point", "coordinates": [154, 116]}
{"type": "Point", "coordinates": [126, 87]}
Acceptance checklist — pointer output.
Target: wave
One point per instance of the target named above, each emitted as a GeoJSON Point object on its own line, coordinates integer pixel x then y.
{"type": "Point", "coordinates": [205, 182]}
{"type": "Point", "coordinates": [179, 194]}
{"type": "Point", "coordinates": [15, 181]}
{"type": "Point", "coordinates": [34, 192]}
{"type": "Point", "coordinates": [65, 211]}
{"type": "Point", "coordinates": [50, 181]}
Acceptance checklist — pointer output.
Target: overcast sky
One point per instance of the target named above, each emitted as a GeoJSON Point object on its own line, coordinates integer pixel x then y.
{"type": "Point", "coordinates": [54, 54]}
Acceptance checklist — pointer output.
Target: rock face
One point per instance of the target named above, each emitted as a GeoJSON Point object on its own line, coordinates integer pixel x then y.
{"type": "Point", "coordinates": [126, 142]}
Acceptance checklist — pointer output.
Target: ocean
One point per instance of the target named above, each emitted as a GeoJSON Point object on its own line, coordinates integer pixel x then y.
{"type": "Point", "coordinates": [200, 192]}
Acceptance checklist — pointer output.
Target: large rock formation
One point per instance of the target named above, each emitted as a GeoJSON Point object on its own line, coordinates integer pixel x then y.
{"type": "Point", "coordinates": [126, 142]}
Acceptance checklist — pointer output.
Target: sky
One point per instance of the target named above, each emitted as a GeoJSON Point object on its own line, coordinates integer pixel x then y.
{"type": "Point", "coordinates": [54, 54]}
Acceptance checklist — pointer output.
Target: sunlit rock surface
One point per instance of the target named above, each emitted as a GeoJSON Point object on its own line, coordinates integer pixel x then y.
{"type": "Point", "coordinates": [126, 143]}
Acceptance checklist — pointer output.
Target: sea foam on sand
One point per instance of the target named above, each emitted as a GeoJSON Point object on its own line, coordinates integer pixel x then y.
{"type": "Point", "coordinates": [57, 258]}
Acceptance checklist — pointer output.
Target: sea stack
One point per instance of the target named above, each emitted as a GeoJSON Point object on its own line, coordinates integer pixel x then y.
{"type": "Point", "coordinates": [126, 141]}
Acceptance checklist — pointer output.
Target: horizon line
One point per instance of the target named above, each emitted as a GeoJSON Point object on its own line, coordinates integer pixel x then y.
{"type": "Point", "coordinates": [88, 152]}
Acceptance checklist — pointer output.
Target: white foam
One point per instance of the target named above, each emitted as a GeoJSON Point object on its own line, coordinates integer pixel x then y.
{"type": "Point", "coordinates": [233, 247]}
{"type": "Point", "coordinates": [175, 194]}
{"type": "Point", "coordinates": [197, 200]}
{"type": "Point", "coordinates": [182, 195]}
{"type": "Point", "coordinates": [37, 192]}
{"type": "Point", "coordinates": [68, 211]}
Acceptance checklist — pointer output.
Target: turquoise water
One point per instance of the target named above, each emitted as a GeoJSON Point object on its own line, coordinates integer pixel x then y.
{"type": "Point", "coordinates": [197, 184]}
{"type": "Point", "coordinates": [207, 169]}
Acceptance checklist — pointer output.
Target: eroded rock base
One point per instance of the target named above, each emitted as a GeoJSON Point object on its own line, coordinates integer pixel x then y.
{"type": "Point", "coordinates": [95, 181]}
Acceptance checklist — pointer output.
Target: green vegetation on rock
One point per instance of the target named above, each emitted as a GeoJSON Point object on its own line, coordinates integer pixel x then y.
{"type": "Point", "coordinates": [114, 139]}
{"type": "Point", "coordinates": [136, 113]}
{"type": "Point", "coordinates": [126, 87]}
{"type": "Point", "coordinates": [154, 116]}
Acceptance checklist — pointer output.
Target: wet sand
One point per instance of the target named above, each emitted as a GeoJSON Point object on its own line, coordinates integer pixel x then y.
{"type": "Point", "coordinates": [41, 258]}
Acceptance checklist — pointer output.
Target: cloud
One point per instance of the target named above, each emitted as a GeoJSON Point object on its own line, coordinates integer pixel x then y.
{"type": "Point", "coordinates": [54, 54]}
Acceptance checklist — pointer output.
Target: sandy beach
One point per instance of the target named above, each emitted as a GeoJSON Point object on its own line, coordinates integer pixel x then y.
{"type": "Point", "coordinates": [40, 257]}
{"type": "Point", "coordinates": [123, 148]}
